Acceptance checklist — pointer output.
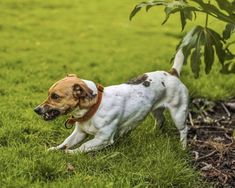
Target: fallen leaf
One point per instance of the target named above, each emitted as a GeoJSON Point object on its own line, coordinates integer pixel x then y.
{"type": "Point", "coordinates": [70, 167]}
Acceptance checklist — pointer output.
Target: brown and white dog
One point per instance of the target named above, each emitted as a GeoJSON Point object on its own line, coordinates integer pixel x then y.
{"type": "Point", "coordinates": [110, 112]}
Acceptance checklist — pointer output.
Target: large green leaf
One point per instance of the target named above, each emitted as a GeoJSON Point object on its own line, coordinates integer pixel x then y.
{"type": "Point", "coordinates": [184, 15]}
{"type": "Point", "coordinates": [226, 12]}
{"type": "Point", "coordinates": [183, 8]}
{"type": "Point", "coordinates": [208, 52]}
{"type": "Point", "coordinates": [196, 55]}
{"type": "Point", "coordinates": [218, 43]}
{"type": "Point", "coordinates": [229, 67]}
{"type": "Point", "coordinates": [226, 6]}
{"type": "Point", "coordinates": [156, 3]}
{"type": "Point", "coordinates": [215, 12]}
{"type": "Point", "coordinates": [171, 7]}
{"type": "Point", "coordinates": [147, 4]}
{"type": "Point", "coordinates": [189, 42]}
{"type": "Point", "coordinates": [228, 31]}
{"type": "Point", "coordinates": [199, 36]}
{"type": "Point", "coordinates": [192, 43]}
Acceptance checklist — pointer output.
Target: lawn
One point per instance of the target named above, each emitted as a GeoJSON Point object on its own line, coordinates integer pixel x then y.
{"type": "Point", "coordinates": [42, 41]}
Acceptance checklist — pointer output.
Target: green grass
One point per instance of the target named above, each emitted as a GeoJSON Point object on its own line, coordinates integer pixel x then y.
{"type": "Point", "coordinates": [42, 41]}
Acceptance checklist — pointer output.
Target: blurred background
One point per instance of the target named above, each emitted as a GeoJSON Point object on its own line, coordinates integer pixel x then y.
{"type": "Point", "coordinates": [42, 41]}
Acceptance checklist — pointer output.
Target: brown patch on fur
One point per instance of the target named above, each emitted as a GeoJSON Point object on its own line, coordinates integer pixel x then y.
{"type": "Point", "coordinates": [83, 94]}
{"type": "Point", "coordinates": [72, 92]}
{"type": "Point", "coordinates": [64, 147]}
{"type": "Point", "coordinates": [138, 80]}
{"type": "Point", "coordinates": [174, 72]}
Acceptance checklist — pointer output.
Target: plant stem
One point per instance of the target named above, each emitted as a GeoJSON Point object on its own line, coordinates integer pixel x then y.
{"type": "Point", "coordinates": [206, 21]}
{"type": "Point", "coordinates": [207, 15]}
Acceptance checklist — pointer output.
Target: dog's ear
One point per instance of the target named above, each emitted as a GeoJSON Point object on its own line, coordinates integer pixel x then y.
{"type": "Point", "coordinates": [77, 91]}
{"type": "Point", "coordinates": [84, 95]}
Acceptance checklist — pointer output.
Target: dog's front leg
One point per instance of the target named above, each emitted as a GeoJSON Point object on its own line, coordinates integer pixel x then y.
{"type": "Point", "coordinates": [91, 145]}
{"type": "Point", "coordinates": [103, 138]}
{"type": "Point", "coordinates": [77, 136]}
{"type": "Point", "coordinates": [100, 141]}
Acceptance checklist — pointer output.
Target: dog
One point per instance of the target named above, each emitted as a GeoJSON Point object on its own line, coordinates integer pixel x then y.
{"type": "Point", "coordinates": [111, 112]}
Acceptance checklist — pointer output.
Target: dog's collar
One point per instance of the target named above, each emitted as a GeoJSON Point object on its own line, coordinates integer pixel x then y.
{"type": "Point", "coordinates": [93, 109]}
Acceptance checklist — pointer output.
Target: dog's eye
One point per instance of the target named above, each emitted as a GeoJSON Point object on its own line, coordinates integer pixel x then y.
{"type": "Point", "coordinates": [55, 96]}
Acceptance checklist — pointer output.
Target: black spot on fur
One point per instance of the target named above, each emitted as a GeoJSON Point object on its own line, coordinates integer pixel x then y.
{"type": "Point", "coordinates": [146, 83]}
{"type": "Point", "coordinates": [165, 74]}
{"type": "Point", "coordinates": [138, 80]}
{"type": "Point", "coordinates": [163, 84]}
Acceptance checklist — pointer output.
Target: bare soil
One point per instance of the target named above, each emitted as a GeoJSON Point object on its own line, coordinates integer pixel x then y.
{"type": "Point", "coordinates": [211, 140]}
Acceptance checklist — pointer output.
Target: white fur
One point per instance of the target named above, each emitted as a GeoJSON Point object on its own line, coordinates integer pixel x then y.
{"type": "Point", "coordinates": [125, 106]}
{"type": "Point", "coordinates": [178, 61]}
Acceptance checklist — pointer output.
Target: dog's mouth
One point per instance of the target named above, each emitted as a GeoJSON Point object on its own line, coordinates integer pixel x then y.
{"type": "Point", "coordinates": [51, 114]}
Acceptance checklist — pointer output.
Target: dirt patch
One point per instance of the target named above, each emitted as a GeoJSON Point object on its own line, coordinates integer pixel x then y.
{"type": "Point", "coordinates": [211, 140]}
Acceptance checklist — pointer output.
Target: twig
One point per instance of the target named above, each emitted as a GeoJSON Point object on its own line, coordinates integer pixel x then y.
{"type": "Point", "coordinates": [207, 15]}
{"type": "Point", "coordinates": [217, 123]}
{"type": "Point", "coordinates": [212, 128]}
{"type": "Point", "coordinates": [218, 171]}
{"type": "Point", "coordinates": [230, 138]}
{"type": "Point", "coordinates": [205, 156]}
{"type": "Point", "coordinates": [196, 155]}
{"type": "Point", "coordinates": [225, 109]}
{"type": "Point", "coordinates": [191, 119]}
{"type": "Point", "coordinates": [220, 119]}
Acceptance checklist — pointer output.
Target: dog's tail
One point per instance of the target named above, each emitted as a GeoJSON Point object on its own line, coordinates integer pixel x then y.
{"type": "Point", "coordinates": [178, 63]}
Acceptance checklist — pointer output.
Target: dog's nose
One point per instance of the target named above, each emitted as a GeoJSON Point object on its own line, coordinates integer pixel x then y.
{"type": "Point", "coordinates": [38, 110]}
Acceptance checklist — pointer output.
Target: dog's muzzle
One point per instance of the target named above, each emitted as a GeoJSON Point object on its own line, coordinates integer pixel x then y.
{"type": "Point", "coordinates": [46, 113]}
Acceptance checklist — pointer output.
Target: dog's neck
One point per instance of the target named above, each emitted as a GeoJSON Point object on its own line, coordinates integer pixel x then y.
{"type": "Point", "coordinates": [78, 112]}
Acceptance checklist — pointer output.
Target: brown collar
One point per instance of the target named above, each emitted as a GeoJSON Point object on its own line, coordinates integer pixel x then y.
{"type": "Point", "coordinates": [93, 109]}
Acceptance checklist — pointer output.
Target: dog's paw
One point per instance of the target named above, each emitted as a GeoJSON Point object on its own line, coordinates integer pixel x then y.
{"type": "Point", "coordinates": [63, 147]}
{"type": "Point", "coordinates": [71, 151]}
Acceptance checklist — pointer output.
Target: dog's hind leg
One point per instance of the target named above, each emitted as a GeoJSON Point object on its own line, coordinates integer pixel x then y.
{"type": "Point", "coordinates": [76, 137]}
{"type": "Point", "coordinates": [179, 115]}
{"type": "Point", "coordinates": [159, 117]}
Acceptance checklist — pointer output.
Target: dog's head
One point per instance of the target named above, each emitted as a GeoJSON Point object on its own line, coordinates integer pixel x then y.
{"type": "Point", "coordinates": [64, 96]}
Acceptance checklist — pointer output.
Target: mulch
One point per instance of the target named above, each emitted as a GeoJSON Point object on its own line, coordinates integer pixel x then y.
{"type": "Point", "coordinates": [212, 140]}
